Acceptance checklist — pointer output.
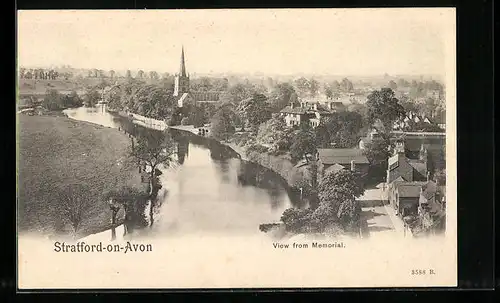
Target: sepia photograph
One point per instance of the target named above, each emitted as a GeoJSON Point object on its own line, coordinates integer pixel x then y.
{"type": "Point", "coordinates": [236, 148]}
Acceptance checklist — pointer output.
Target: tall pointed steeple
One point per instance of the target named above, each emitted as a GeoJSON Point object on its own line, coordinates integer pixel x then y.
{"type": "Point", "coordinates": [181, 85]}
{"type": "Point", "coordinates": [182, 71]}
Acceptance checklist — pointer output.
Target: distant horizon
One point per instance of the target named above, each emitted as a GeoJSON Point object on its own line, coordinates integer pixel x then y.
{"type": "Point", "coordinates": [279, 42]}
{"type": "Point", "coordinates": [253, 74]}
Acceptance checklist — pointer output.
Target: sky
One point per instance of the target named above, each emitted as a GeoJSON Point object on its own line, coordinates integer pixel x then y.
{"type": "Point", "coordinates": [284, 41]}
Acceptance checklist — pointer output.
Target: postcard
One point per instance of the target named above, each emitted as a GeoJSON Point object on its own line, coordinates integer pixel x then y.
{"type": "Point", "coordinates": [236, 148]}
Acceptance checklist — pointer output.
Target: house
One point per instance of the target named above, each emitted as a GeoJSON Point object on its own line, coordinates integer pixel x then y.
{"type": "Point", "coordinates": [334, 159]}
{"type": "Point", "coordinates": [295, 115]}
{"type": "Point", "coordinates": [308, 112]}
{"type": "Point", "coordinates": [402, 168]}
{"type": "Point", "coordinates": [404, 197]}
{"type": "Point", "coordinates": [368, 139]}
{"type": "Point", "coordinates": [410, 119]}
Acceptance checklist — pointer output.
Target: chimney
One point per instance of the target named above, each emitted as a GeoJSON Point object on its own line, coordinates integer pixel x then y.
{"type": "Point", "coordinates": [428, 175]}
{"type": "Point", "coordinates": [353, 166]}
{"type": "Point", "coordinates": [399, 148]}
{"type": "Point", "coordinates": [291, 105]}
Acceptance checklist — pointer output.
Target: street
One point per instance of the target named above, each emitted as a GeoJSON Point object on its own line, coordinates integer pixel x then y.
{"type": "Point", "coordinates": [377, 216]}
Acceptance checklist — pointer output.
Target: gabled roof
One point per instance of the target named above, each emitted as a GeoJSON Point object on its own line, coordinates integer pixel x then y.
{"type": "Point", "coordinates": [341, 156]}
{"type": "Point", "coordinates": [408, 189]}
{"type": "Point", "coordinates": [419, 166]}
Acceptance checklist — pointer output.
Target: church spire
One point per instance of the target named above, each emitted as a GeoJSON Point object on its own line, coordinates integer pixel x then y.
{"type": "Point", "coordinates": [182, 71]}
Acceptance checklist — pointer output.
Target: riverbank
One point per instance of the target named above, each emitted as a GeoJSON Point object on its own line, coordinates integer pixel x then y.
{"type": "Point", "coordinates": [54, 152]}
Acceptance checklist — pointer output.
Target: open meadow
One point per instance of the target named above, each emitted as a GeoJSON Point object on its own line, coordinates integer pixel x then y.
{"type": "Point", "coordinates": [56, 152]}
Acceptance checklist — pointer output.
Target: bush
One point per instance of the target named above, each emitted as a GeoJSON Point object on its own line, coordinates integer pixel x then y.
{"type": "Point", "coordinates": [185, 121]}
{"type": "Point", "coordinates": [297, 220]}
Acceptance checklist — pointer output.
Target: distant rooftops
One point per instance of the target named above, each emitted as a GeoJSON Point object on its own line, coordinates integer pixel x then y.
{"type": "Point", "coordinates": [341, 156]}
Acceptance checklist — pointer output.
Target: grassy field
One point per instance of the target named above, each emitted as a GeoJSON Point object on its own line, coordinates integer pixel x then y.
{"type": "Point", "coordinates": [54, 152]}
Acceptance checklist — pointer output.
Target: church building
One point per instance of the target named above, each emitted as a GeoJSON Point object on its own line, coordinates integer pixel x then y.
{"type": "Point", "coordinates": [183, 92]}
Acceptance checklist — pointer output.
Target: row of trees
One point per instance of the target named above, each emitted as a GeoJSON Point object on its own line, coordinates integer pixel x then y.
{"type": "Point", "coordinates": [53, 100]}
{"type": "Point", "coordinates": [112, 74]}
{"type": "Point", "coordinates": [38, 73]}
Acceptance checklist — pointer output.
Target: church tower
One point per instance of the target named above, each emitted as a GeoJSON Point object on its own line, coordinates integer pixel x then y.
{"type": "Point", "coordinates": [181, 79]}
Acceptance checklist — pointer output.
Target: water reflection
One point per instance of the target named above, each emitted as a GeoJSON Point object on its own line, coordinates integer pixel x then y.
{"type": "Point", "coordinates": [210, 189]}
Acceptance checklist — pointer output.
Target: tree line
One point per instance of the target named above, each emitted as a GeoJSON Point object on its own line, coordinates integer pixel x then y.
{"type": "Point", "coordinates": [38, 73]}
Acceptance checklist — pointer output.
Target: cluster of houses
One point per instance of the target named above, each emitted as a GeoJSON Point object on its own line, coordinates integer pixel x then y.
{"type": "Point", "coordinates": [411, 192]}
{"type": "Point", "coordinates": [412, 118]}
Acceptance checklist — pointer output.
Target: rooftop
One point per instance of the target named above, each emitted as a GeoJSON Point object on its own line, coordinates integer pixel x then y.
{"type": "Point", "coordinates": [341, 156]}
{"type": "Point", "coordinates": [408, 189]}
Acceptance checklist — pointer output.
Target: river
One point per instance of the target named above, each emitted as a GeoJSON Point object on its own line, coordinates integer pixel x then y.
{"type": "Point", "coordinates": [209, 189]}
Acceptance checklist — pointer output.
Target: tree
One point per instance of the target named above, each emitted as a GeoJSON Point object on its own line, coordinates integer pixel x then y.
{"type": "Point", "coordinates": [346, 85]}
{"type": "Point", "coordinates": [281, 96]}
{"type": "Point", "coordinates": [340, 129]}
{"type": "Point", "coordinates": [328, 92]}
{"type": "Point", "coordinates": [153, 150]}
{"type": "Point", "coordinates": [75, 205]}
{"type": "Point", "coordinates": [140, 74]}
{"type": "Point", "coordinates": [302, 86]}
{"type": "Point", "coordinates": [72, 100]}
{"type": "Point", "coordinates": [335, 86]}
{"type": "Point", "coordinates": [337, 196]}
{"type": "Point", "coordinates": [151, 101]}
{"type": "Point", "coordinates": [313, 87]}
{"type": "Point", "coordinates": [222, 126]}
{"type": "Point", "coordinates": [91, 97]}
{"type": "Point", "coordinates": [296, 220]}
{"type": "Point", "coordinates": [274, 132]}
{"type": "Point", "coordinates": [22, 72]}
{"type": "Point", "coordinates": [197, 116]}
{"type": "Point", "coordinates": [378, 154]}
{"type": "Point", "coordinates": [392, 85]}
{"type": "Point", "coordinates": [153, 75]}
{"type": "Point", "coordinates": [52, 100]}
{"type": "Point", "coordinates": [254, 110]}
{"type": "Point", "coordinates": [133, 202]}
{"type": "Point", "coordinates": [408, 104]}
{"type": "Point", "coordinates": [383, 106]}
{"type": "Point", "coordinates": [304, 143]}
